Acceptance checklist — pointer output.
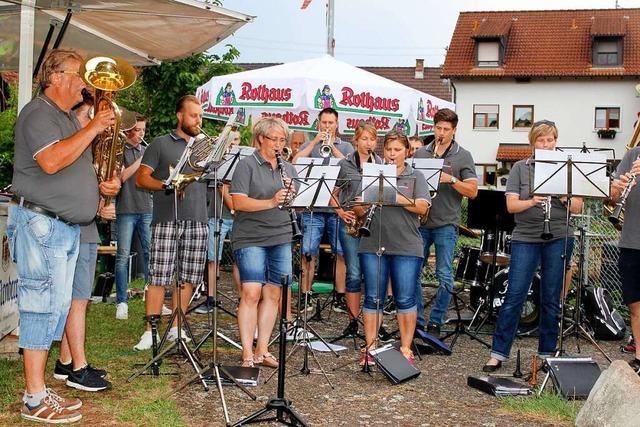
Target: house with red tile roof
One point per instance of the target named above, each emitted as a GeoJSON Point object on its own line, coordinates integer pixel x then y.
{"type": "Point", "coordinates": [578, 68]}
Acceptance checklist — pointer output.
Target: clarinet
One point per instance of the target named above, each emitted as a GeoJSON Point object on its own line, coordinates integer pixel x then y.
{"type": "Point", "coordinates": [546, 229]}
{"type": "Point", "coordinates": [616, 217]}
{"type": "Point", "coordinates": [297, 234]}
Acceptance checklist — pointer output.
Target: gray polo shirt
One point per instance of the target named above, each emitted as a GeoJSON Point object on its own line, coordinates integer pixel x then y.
{"type": "Point", "coordinates": [254, 177]}
{"type": "Point", "coordinates": [132, 199]}
{"type": "Point", "coordinates": [530, 223]}
{"type": "Point", "coordinates": [222, 209]}
{"type": "Point", "coordinates": [630, 236]}
{"type": "Point", "coordinates": [400, 228]}
{"type": "Point", "coordinates": [344, 147]}
{"type": "Point", "coordinates": [163, 152]}
{"type": "Point", "coordinates": [350, 178]}
{"type": "Point", "coordinates": [71, 193]}
{"type": "Point", "coordinates": [89, 233]}
{"type": "Point", "coordinates": [446, 205]}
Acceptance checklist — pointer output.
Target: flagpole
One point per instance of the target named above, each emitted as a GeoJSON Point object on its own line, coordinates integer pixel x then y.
{"type": "Point", "coordinates": [331, 42]}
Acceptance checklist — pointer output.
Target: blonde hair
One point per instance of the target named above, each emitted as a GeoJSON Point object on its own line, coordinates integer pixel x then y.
{"type": "Point", "coordinates": [542, 127]}
{"type": "Point", "coordinates": [397, 136]}
{"type": "Point", "coordinates": [266, 124]}
{"type": "Point", "coordinates": [364, 127]}
{"type": "Point", "coordinates": [55, 62]}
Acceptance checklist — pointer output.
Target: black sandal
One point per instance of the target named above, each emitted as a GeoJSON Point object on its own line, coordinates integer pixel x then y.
{"type": "Point", "coordinates": [492, 368]}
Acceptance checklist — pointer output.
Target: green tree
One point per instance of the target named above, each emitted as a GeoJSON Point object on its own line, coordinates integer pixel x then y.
{"type": "Point", "coordinates": [7, 124]}
{"type": "Point", "coordinates": [158, 88]}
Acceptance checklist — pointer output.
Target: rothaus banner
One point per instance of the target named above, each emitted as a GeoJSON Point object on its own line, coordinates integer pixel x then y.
{"type": "Point", "coordinates": [299, 90]}
{"type": "Point", "coordinates": [8, 280]}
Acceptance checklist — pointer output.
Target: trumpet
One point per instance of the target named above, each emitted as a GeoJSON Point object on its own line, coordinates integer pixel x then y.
{"type": "Point", "coordinates": [616, 218]}
{"type": "Point", "coordinates": [546, 228]}
{"type": "Point", "coordinates": [297, 234]}
{"type": "Point", "coordinates": [325, 148]}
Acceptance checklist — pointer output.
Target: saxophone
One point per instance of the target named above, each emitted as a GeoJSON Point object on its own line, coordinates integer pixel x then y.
{"type": "Point", "coordinates": [107, 76]}
{"type": "Point", "coordinates": [355, 227]}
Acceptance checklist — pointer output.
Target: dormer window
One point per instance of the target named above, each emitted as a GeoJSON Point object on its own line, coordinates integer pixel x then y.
{"type": "Point", "coordinates": [491, 37]}
{"type": "Point", "coordinates": [489, 54]}
{"type": "Point", "coordinates": [607, 52]}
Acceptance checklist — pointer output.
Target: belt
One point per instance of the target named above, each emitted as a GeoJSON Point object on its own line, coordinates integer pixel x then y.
{"type": "Point", "coordinates": [37, 209]}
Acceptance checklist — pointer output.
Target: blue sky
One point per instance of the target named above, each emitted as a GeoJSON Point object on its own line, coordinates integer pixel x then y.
{"type": "Point", "coordinates": [368, 32]}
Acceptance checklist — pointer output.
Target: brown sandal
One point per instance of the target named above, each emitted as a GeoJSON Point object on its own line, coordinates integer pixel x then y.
{"type": "Point", "coordinates": [247, 363]}
{"type": "Point", "coordinates": [267, 360]}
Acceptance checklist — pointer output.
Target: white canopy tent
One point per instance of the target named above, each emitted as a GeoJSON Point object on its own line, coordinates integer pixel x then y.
{"type": "Point", "coordinates": [297, 91]}
{"type": "Point", "coordinates": [143, 32]}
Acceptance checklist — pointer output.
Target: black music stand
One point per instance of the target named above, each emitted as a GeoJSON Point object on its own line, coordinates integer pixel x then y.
{"type": "Point", "coordinates": [279, 404]}
{"type": "Point", "coordinates": [488, 211]}
{"type": "Point", "coordinates": [308, 196]}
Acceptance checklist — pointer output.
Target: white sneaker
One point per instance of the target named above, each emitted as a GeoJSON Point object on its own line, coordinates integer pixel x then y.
{"type": "Point", "coordinates": [146, 341]}
{"type": "Point", "coordinates": [173, 334]}
{"type": "Point", "coordinates": [166, 311]}
{"type": "Point", "coordinates": [122, 311]}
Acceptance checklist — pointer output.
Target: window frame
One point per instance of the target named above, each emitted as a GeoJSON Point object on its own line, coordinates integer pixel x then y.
{"type": "Point", "coordinates": [513, 115]}
{"type": "Point", "coordinates": [486, 118]}
{"type": "Point", "coordinates": [595, 54]}
{"type": "Point", "coordinates": [607, 118]}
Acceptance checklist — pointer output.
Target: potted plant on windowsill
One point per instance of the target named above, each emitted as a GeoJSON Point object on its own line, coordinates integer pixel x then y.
{"type": "Point", "coordinates": [606, 133]}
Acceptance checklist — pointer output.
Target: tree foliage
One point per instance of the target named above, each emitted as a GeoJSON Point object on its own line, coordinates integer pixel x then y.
{"type": "Point", "coordinates": [158, 88]}
{"type": "Point", "coordinates": [7, 125]}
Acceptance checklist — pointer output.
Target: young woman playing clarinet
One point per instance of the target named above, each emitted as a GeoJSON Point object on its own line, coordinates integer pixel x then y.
{"type": "Point", "coordinates": [393, 250]}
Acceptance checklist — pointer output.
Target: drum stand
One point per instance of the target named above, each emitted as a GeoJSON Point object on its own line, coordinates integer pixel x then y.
{"type": "Point", "coordinates": [460, 327]}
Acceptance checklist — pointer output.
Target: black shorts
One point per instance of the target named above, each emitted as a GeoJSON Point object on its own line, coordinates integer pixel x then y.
{"type": "Point", "coordinates": [629, 265]}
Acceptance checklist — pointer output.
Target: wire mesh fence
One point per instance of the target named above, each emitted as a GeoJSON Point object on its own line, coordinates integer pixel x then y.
{"type": "Point", "coordinates": [600, 261]}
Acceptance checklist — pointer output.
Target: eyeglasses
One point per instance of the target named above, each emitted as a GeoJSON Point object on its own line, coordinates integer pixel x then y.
{"type": "Point", "coordinates": [544, 122]}
{"type": "Point", "coordinates": [280, 140]}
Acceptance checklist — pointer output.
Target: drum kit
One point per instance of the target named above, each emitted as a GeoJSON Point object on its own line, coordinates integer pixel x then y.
{"type": "Point", "coordinates": [485, 269]}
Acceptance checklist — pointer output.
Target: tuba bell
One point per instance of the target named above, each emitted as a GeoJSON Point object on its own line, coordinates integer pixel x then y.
{"type": "Point", "coordinates": [107, 76]}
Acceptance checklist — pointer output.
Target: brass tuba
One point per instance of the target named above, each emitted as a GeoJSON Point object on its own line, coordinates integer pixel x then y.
{"type": "Point", "coordinates": [107, 76]}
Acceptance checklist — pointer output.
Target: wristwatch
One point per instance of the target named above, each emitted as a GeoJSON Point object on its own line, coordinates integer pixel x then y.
{"type": "Point", "coordinates": [453, 180]}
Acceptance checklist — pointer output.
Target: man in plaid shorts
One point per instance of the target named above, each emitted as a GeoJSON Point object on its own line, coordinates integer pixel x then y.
{"type": "Point", "coordinates": [191, 241]}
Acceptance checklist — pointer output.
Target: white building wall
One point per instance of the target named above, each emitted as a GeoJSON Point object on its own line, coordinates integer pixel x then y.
{"type": "Point", "coordinates": [570, 104]}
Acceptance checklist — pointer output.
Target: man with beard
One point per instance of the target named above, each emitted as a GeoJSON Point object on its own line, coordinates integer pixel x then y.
{"type": "Point", "coordinates": [191, 242]}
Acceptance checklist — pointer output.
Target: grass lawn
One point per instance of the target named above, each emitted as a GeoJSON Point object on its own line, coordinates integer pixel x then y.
{"type": "Point", "coordinates": [145, 401]}
{"type": "Point", "coordinates": [548, 406]}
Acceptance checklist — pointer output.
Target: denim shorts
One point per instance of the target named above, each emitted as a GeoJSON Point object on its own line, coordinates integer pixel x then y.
{"type": "Point", "coordinates": [264, 264]}
{"type": "Point", "coordinates": [85, 271]}
{"type": "Point", "coordinates": [225, 229]}
{"type": "Point", "coordinates": [314, 227]}
{"type": "Point", "coordinates": [45, 252]}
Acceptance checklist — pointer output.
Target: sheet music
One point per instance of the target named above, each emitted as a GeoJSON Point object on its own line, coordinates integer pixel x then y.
{"type": "Point", "coordinates": [588, 175]}
{"type": "Point", "coordinates": [228, 165]}
{"type": "Point", "coordinates": [303, 167]}
{"type": "Point", "coordinates": [431, 169]}
{"type": "Point", "coordinates": [371, 182]}
{"type": "Point", "coordinates": [308, 188]}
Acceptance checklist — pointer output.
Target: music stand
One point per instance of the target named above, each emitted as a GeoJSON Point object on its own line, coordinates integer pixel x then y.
{"type": "Point", "coordinates": [555, 176]}
{"type": "Point", "coordinates": [315, 190]}
{"type": "Point", "coordinates": [380, 188]}
{"type": "Point", "coordinates": [488, 211]}
{"type": "Point", "coordinates": [431, 169]}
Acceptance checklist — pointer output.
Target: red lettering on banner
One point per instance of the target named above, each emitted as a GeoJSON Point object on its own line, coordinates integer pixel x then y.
{"type": "Point", "coordinates": [431, 109]}
{"type": "Point", "coordinates": [204, 96]}
{"type": "Point", "coordinates": [367, 101]}
{"type": "Point", "coordinates": [219, 111]}
{"type": "Point", "coordinates": [381, 123]}
{"type": "Point", "coordinates": [263, 93]}
{"type": "Point", "coordinates": [300, 119]}
{"type": "Point", "coordinates": [425, 127]}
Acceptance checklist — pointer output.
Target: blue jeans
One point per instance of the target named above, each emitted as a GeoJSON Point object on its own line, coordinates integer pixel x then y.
{"type": "Point", "coordinates": [445, 239]}
{"type": "Point", "coordinates": [401, 269]}
{"type": "Point", "coordinates": [314, 228]}
{"type": "Point", "coordinates": [525, 259]}
{"type": "Point", "coordinates": [45, 251]}
{"type": "Point", "coordinates": [127, 224]}
{"type": "Point", "coordinates": [265, 264]}
{"type": "Point", "coordinates": [350, 246]}
{"type": "Point", "coordinates": [225, 228]}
